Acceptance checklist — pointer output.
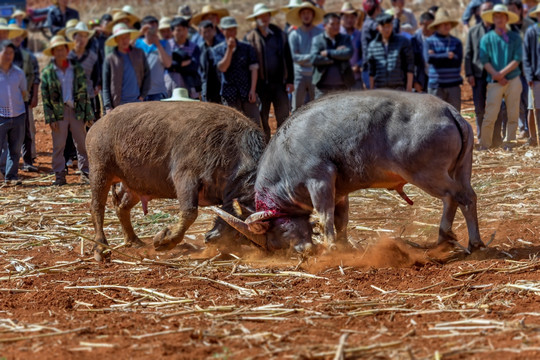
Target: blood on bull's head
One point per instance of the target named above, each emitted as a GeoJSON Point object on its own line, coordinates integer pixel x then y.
{"type": "Point", "coordinates": [273, 231]}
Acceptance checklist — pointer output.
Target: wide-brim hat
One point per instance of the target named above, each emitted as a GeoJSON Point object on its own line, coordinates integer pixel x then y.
{"type": "Point", "coordinates": [164, 23]}
{"type": "Point", "coordinates": [13, 31]}
{"type": "Point", "coordinates": [121, 15]}
{"type": "Point", "coordinates": [293, 16]}
{"type": "Point", "coordinates": [70, 24]}
{"type": "Point", "coordinates": [228, 22]}
{"type": "Point", "coordinates": [81, 27]}
{"type": "Point", "coordinates": [534, 12]}
{"type": "Point", "coordinates": [488, 15]}
{"type": "Point", "coordinates": [347, 8]}
{"type": "Point", "coordinates": [180, 94]}
{"type": "Point", "coordinates": [291, 5]}
{"type": "Point", "coordinates": [128, 9]}
{"type": "Point", "coordinates": [209, 9]}
{"type": "Point", "coordinates": [441, 17]}
{"type": "Point", "coordinates": [121, 29]}
{"type": "Point", "coordinates": [18, 12]}
{"type": "Point", "coordinates": [17, 30]}
{"type": "Point", "coordinates": [260, 9]}
{"type": "Point", "coordinates": [58, 40]}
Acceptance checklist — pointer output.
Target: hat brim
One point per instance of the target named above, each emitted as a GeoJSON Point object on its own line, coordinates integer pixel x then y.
{"type": "Point", "coordinates": [535, 12]}
{"type": "Point", "coordinates": [111, 41]}
{"type": "Point", "coordinates": [70, 33]}
{"type": "Point", "coordinates": [134, 17]}
{"type": "Point", "coordinates": [488, 16]}
{"type": "Point", "coordinates": [13, 33]}
{"type": "Point", "coordinates": [197, 18]}
{"type": "Point", "coordinates": [436, 23]}
{"type": "Point", "coordinates": [178, 99]}
{"type": "Point", "coordinates": [132, 20]}
{"type": "Point", "coordinates": [18, 13]}
{"type": "Point", "coordinates": [48, 51]}
{"type": "Point", "coordinates": [293, 16]}
{"type": "Point", "coordinates": [272, 12]}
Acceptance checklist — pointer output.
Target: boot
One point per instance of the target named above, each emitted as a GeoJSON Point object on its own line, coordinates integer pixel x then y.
{"type": "Point", "coordinates": [60, 178]}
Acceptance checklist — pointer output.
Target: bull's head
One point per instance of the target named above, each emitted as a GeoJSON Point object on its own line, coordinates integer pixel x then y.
{"type": "Point", "coordinates": [272, 231]}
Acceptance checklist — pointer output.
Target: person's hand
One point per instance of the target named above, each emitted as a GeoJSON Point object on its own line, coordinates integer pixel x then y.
{"type": "Point", "coordinates": [185, 62]}
{"type": "Point", "coordinates": [531, 84]}
{"type": "Point", "coordinates": [231, 43]}
{"type": "Point", "coordinates": [431, 52]}
{"type": "Point", "coordinates": [252, 96]}
{"type": "Point", "coordinates": [54, 126]}
{"type": "Point", "coordinates": [355, 68]}
{"type": "Point", "coordinates": [289, 88]}
{"type": "Point", "coordinates": [97, 90]}
{"type": "Point", "coordinates": [471, 81]}
{"type": "Point", "coordinates": [417, 87]}
{"type": "Point", "coordinates": [324, 53]}
{"type": "Point", "coordinates": [503, 81]}
{"type": "Point", "coordinates": [409, 89]}
{"type": "Point", "coordinates": [450, 55]}
{"type": "Point", "coordinates": [341, 47]}
{"type": "Point", "coordinates": [498, 77]}
{"type": "Point", "coordinates": [33, 101]}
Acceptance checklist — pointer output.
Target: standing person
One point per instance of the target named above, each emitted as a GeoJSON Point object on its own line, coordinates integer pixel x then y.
{"type": "Point", "coordinates": [349, 18]}
{"type": "Point", "coordinates": [445, 55]}
{"type": "Point", "coordinates": [158, 56]}
{"type": "Point", "coordinates": [66, 106]}
{"type": "Point", "coordinates": [531, 68]}
{"type": "Point", "coordinates": [19, 19]}
{"type": "Point", "coordinates": [405, 16]}
{"type": "Point", "coordinates": [59, 15]}
{"type": "Point", "coordinates": [210, 83]}
{"type": "Point", "coordinates": [238, 65]}
{"type": "Point", "coordinates": [126, 75]}
{"type": "Point", "coordinates": [420, 50]}
{"type": "Point", "coordinates": [390, 58]}
{"type": "Point", "coordinates": [477, 75]}
{"type": "Point", "coordinates": [305, 18]}
{"type": "Point", "coordinates": [501, 53]}
{"type": "Point", "coordinates": [330, 55]}
{"type": "Point", "coordinates": [184, 69]}
{"type": "Point", "coordinates": [276, 75]}
{"type": "Point", "coordinates": [12, 110]}
{"type": "Point", "coordinates": [473, 10]}
{"type": "Point", "coordinates": [164, 28]}
{"type": "Point", "coordinates": [213, 14]}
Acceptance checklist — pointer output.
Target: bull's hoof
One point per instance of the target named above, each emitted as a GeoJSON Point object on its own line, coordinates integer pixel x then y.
{"type": "Point", "coordinates": [163, 241]}
{"type": "Point", "coordinates": [475, 246]}
{"type": "Point", "coordinates": [135, 242]}
{"type": "Point", "coordinates": [100, 256]}
{"type": "Point", "coordinates": [332, 247]}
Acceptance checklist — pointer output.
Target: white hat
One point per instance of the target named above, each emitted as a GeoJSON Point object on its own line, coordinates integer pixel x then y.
{"type": "Point", "coordinates": [81, 27]}
{"type": "Point", "coordinates": [180, 94]}
{"type": "Point", "coordinates": [121, 29]}
{"type": "Point", "coordinates": [260, 9]}
{"type": "Point", "coordinates": [291, 5]}
{"type": "Point", "coordinates": [499, 8]}
{"type": "Point", "coordinates": [128, 9]}
{"type": "Point", "coordinates": [164, 23]}
{"type": "Point", "coordinates": [70, 24]}
{"type": "Point", "coordinates": [293, 16]}
{"type": "Point", "coordinates": [57, 40]}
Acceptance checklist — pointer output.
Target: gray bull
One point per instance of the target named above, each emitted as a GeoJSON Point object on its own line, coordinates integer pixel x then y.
{"type": "Point", "coordinates": [198, 153]}
{"type": "Point", "coordinates": [350, 141]}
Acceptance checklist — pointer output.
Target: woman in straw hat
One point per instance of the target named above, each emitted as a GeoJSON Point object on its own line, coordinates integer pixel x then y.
{"type": "Point", "coordinates": [66, 106]}
{"type": "Point", "coordinates": [59, 15]}
{"type": "Point", "coordinates": [126, 74]}
{"type": "Point", "coordinates": [445, 55]}
{"type": "Point", "coordinates": [305, 19]}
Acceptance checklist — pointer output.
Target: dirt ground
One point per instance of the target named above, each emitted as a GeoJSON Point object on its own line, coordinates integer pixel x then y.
{"type": "Point", "coordinates": [391, 299]}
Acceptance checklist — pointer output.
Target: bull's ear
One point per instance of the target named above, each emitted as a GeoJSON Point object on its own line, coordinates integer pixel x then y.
{"type": "Point", "coordinates": [242, 227]}
{"type": "Point", "coordinates": [241, 210]}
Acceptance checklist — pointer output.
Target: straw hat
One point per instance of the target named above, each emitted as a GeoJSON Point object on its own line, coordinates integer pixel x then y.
{"type": "Point", "coordinates": [58, 40]}
{"type": "Point", "coordinates": [441, 17]}
{"type": "Point", "coordinates": [185, 12]}
{"type": "Point", "coordinates": [121, 29]}
{"type": "Point", "coordinates": [119, 16]}
{"type": "Point", "coordinates": [488, 15]}
{"type": "Point", "coordinates": [206, 10]}
{"type": "Point", "coordinates": [260, 9]}
{"type": "Point", "coordinates": [180, 94]}
{"type": "Point", "coordinates": [291, 5]}
{"type": "Point", "coordinates": [13, 32]}
{"type": "Point", "coordinates": [534, 12]}
{"type": "Point", "coordinates": [19, 12]}
{"type": "Point", "coordinates": [293, 16]}
{"type": "Point", "coordinates": [164, 23]}
{"type": "Point", "coordinates": [70, 24]}
{"type": "Point", "coordinates": [130, 11]}
{"type": "Point", "coordinates": [347, 8]}
{"type": "Point", "coordinates": [81, 27]}
{"type": "Point", "coordinates": [16, 28]}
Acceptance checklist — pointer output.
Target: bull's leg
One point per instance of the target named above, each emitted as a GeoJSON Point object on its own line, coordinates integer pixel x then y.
{"type": "Point", "coordinates": [100, 184]}
{"type": "Point", "coordinates": [449, 213]}
{"type": "Point", "coordinates": [341, 219]}
{"type": "Point", "coordinates": [187, 191]}
{"type": "Point", "coordinates": [322, 192]}
{"type": "Point", "coordinates": [124, 200]}
{"type": "Point", "coordinates": [468, 208]}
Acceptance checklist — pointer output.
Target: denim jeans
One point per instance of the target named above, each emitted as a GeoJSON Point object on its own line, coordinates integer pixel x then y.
{"type": "Point", "coordinates": [12, 131]}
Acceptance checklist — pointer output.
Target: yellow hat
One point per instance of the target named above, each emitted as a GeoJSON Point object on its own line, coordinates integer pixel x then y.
{"type": "Point", "coordinates": [512, 17]}
{"type": "Point", "coordinates": [21, 32]}
{"type": "Point", "coordinates": [164, 23]}
{"type": "Point", "coordinates": [81, 27]}
{"type": "Point", "coordinates": [13, 31]}
{"type": "Point", "coordinates": [70, 24]}
{"type": "Point", "coordinates": [260, 9]}
{"type": "Point", "coordinates": [293, 16]}
{"type": "Point", "coordinates": [441, 17]}
{"type": "Point", "coordinates": [121, 29]}
{"type": "Point", "coordinates": [206, 10]}
{"type": "Point", "coordinates": [130, 11]}
{"type": "Point", "coordinates": [57, 40]}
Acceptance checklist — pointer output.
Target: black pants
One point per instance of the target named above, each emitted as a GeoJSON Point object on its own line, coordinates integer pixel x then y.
{"type": "Point", "coordinates": [27, 142]}
{"type": "Point", "coordinates": [273, 94]}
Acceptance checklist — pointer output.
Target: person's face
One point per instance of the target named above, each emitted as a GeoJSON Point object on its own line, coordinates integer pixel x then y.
{"type": "Point", "coordinates": [60, 53]}
{"type": "Point", "coordinates": [208, 33]}
{"type": "Point", "coordinates": [348, 20]}
{"type": "Point", "coordinates": [306, 16]}
{"type": "Point", "coordinates": [230, 33]}
{"type": "Point", "coordinates": [123, 41]}
{"type": "Point", "coordinates": [444, 28]}
{"type": "Point", "coordinates": [81, 40]}
{"type": "Point", "coordinates": [426, 29]}
{"type": "Point", "coordinates": [263, 20]}
{"type": "Point", "coordinates": [166, 33]}
{"type": "Point", "coordinates": [6, 56]}
{"type": "Point", "coordinates": [4, 34]}
{"type": "Point", "coordinates": [180, 34]}
{"type": "Point", "coordinates": [332, 27]}
{"type": "Point", "coordinates": [398, 3]}
{"type": "Point", "coordinates": [500, 20]}
{"type": "Point", "coordinates": [385, 30]}
{"type": "Point", "coordinates": [214, 18]}
{"type": "Point", "coordinates": [17, 41]}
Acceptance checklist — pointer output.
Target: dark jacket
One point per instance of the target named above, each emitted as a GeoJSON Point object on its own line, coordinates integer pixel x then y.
{"type": "Point", "coordinates": [255, 39]}
{"type": "Point", "coordinates": [420, 66]}
{"type": "Point", "coordinates": [531, 54]}
{"type": "Point", "coordinates": [369, 32]}
{"type": "Point", "coordinates": [56, 21]}
{"type": "Point", "coordinates": [211, 84]}
{"type": "Point", "coordinates": [390, 68]}
{"type": "Point", "coordinates": [113, 70]}
{"type": "Point", "coordinates": [473, 65]}
{"type": "Point", "coordinates": [341, 57]}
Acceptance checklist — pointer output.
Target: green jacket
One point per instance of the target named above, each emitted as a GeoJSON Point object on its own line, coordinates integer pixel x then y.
{"type": "Point", "coordinates": [51, 93]}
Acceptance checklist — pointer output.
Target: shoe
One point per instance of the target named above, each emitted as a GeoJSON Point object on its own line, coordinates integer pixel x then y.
{"type": "Point", "coordinates": [60, 179]}
{"type": "Point", "coordinates": [13, 182]}
{"type": "Point", "coordinates": [85, 179]}
{"type": "Point", "coordinates": [69, 163]}
{"type": "Point", "coordinates": [531, 142]}
{"type": "Point", "coordinates": [29, 168]}
{"type": "Point", "coordinates": [523, 134]}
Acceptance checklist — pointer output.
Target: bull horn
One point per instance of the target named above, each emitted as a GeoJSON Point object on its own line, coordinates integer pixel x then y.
{"type": "Point", "coordinates": [242, 227]}
{"type": "Point", "coordinates": [261, 216]}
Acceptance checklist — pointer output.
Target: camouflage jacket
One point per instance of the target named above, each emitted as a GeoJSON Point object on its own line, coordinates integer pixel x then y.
{"type": "Point", "coordinates": [51, 93]}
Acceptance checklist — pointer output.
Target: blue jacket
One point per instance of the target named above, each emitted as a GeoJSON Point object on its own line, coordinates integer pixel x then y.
{"type": "Point", "coordinates": [443, 71]}
{"type": "Point", "coordinates": [390, 68]}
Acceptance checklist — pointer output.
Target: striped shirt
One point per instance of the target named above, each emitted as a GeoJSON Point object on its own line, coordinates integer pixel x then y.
{"type": "Point", "coordinates": [444, 72]}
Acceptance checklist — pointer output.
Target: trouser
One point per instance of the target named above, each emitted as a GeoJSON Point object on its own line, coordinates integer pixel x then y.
{"type": "Point", "coordinates": [78, 130]}
{"type": "Point", "coordinates": [304, 91]}
{"type": "Point", "coordinates": [451, 95]}
{"type": "Point", "coordinates": [511, 92]}
{"type": "Point", "coordinates": [155, 97]}
{"type": "Point", "coordinates": [29, 142]}
{"type": "Point", "coordinates": [12, 131]}
{"type": "Point", "coordinates": [524, 99]}
{"type": "Point", "coordinates": [251, 110]}
{"type": "Point", "coordinates": [365, 78]}
{"type": "Point", "coordinates": [323, 90]}
{"type": "Point", "coordinates": [479, 98]}
{"type": "Point", "coordinates": [273, 94]}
